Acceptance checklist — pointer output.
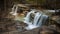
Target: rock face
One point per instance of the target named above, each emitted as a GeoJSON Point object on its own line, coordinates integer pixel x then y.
{"type": "Point", "coordinates": [34, 31]}
{"type": "Point", "coordinates": [7, 24]}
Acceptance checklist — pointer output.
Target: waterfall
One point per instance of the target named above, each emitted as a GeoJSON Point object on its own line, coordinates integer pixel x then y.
{"type": "Point", "coordinates": [42, 20]}
{"type": "Point", "coordinates": [37, 16]}
{"type": "Point", "coordinates": [27, 18]}
{"type": "Point", "coordinates": [14, 10]}
{"type": "Point", "coordinates": [38, 21]}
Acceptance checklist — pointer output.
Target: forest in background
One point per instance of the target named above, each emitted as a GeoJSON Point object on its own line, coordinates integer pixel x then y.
{"type": "Point", "coordinates": [6, 5]}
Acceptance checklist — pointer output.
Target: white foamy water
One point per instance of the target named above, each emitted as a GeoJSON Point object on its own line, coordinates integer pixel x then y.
{"type": "Point", "coordinates": [37, 16]}
{"type": "Point", "coordinates": [30, 27]}
{"type": "Point", "coordinates": [39, 19]}
{"type": "Point", "coordinates": [27, 18]}
{"type": "Point", "coordinates": [14, 10]}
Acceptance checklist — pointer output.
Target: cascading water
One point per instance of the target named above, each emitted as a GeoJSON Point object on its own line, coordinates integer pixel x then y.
{"type": "Point", "coordinates": [27, 18]}
{"type": "Point", "coordinates": [37, 16]}
{"type": "Point", "coordinates": [42, 20]}
{"type": "Point", "coordinates": [16, 18]}
{"type": "Point", "coordinates": [39, 19]}
{"type": "Point", "coordinates": [14, 10]}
